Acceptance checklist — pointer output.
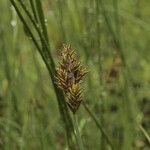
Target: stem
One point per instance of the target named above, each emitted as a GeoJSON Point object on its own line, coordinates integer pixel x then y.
{"type": "Point", "coordinates": [44, 50]}
{"type": "Point", "coordinates": [92, 115]}
{"type": "Point", "coordinates": [42, 19]}
{"type": "Point", "coordinates": [44, 42]}
{"type": "Point", "coordinates": [77, 133]}
{"type": "Point", "coordinates": [145, 133]}
{"type": "Point", "coordinates": [33, 9]}
{"type": "Point", "coordinates": [27, 28]}
{"type": "Point", "coordinates": [100, 68]}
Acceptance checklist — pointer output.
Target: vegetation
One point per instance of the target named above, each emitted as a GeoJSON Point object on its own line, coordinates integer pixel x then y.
{"type": "Point", "coordinates": [39, 107]}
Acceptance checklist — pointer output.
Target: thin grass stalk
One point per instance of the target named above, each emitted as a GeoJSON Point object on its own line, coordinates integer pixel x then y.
{"type": "Point", "coordinates": [85, 45]}
{"type": "Point", "coordinates": [44, 42]}
{"type": "Point", "coordinates": [33, 10]}
{"type": "Point", "coordinates": [12, 106]}
{"type": "Point", "coordinates": [127, 76]}
{"type": "Point", "coordinates": [61, 19]}
{"type": "Point", "coordinates": [67, 117]}
{"type": "Point", "coordinates": [32, 36]}
{"type": "Point", "coordinates": [2, 100]}
{"type": "Point", "coordinates": [145, 133]}
{"type": "Point", "coordinates": [113, 34]}
{"type": "Point", "coordinates": [100, 69]}
{"type": "Point", "coordinates": [61, 102]}
{"type": "Point", "coordinates": [77, 133]}
{"type": "Point", "coordinates": [118, 32]}
{"type": "Point", "coordinates": [8, 74]}
{"type": "Point", "coordinates": [28, 29]}
{"type": "Point", "coordinates": [92, 115]}
{"type": "Point", "coordinates": [118, 42]}
{"type": "Point", "coordinates": [85, 106]}
{"type": "Point", "coordinates": [42, 19]}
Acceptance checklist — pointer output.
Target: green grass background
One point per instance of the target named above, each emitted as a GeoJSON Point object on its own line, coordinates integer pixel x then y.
{"type": "Point", "coordinates": [107, 35]}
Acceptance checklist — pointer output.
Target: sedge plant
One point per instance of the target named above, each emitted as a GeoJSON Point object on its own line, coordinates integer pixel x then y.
{"type": "Point", "coordinates": [70, 75]}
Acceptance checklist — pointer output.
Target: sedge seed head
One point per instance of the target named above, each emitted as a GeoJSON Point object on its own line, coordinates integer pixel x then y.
{"type": "Point", "coordinates": [69, 76]}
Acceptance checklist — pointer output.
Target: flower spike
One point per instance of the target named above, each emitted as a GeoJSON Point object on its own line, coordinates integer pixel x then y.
{"type": "Point", "coordinates": [69, 76]}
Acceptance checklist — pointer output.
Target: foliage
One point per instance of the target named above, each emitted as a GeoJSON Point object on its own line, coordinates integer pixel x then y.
{"type": "Point", "coordinates": [112, 40]}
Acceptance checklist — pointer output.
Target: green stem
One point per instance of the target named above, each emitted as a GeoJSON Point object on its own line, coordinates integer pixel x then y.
{"type": "Point", "coordinates": [33, 9]}
{"type": "Point", "coordinates": [77, 133]}
{"type": "Point", "coordinates": [44, 42]}
{"type": "Point", "coordinates": [145, 133]}
{"type": "Point", "coordinates": [27, 28]}
{"type": "Point", "coordinates": [100, 68]}
{"type": "Point", "coordinates": [48, 60]}
{"type": "Point", "coordinates": [42, 19]}
{"type": "Point", "coordinates": [92, 115]}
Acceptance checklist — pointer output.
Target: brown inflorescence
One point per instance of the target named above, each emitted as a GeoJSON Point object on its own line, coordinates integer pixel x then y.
{"type": "Point", "coordinates": [70, 74]}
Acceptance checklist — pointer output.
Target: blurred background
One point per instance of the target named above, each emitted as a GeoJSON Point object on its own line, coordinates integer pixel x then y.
{"type": "Point", "coordinates": [111, 39]}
